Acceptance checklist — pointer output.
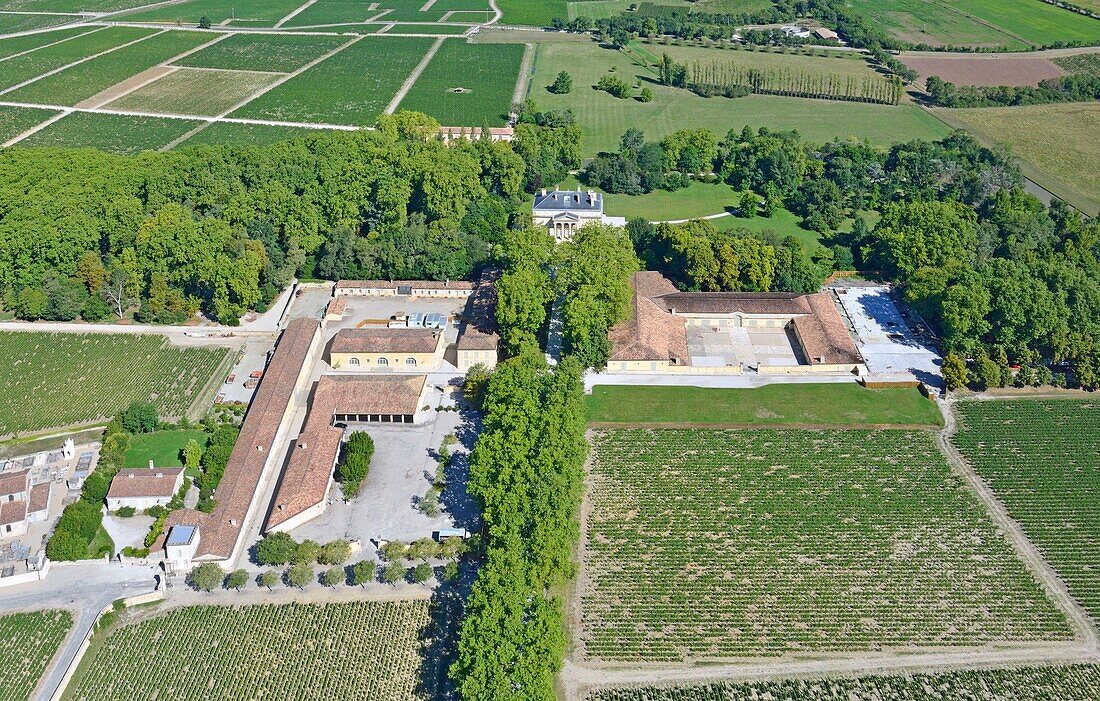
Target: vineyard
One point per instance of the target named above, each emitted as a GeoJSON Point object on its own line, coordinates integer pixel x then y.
{"type": "Point", "coordinates": [1042, 458]}
{"type": "Point", "coordinates": [1069, 683]}
{"type": "Point", "coordinates": [719, 78]}
{"type": "Point", "coordinates": [28, 641]}
{"type": "Point", "coordinates": [793, 541]}
{"type": "Point", "coordinates": [61, 379]}
{"type": "Point", "coordinates": [366, 650]}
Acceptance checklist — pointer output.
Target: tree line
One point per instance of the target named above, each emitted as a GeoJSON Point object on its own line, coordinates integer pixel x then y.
{"type": "Point", "coordinates": [222, 229]}
{"type": "Point", "coordinates": [1079, 87]}
{"type": "Point", "coordinates": [731, 79]}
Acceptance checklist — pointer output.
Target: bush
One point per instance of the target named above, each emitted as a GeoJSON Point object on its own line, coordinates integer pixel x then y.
{"type": "Point", "coordinates": [126, 512]}
{"type": "Point", "coordinates": [276, 549]}
{"type": "Point", "coordinates": [615, 86]}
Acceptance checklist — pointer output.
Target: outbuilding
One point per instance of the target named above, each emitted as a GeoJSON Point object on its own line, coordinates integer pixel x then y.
{"type": "Point", "coordinates": [144, 487]}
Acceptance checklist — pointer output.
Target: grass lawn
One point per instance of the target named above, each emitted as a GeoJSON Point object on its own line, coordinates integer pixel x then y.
{"type": "Point", "coordinates": [604, 118]}
{"type": "Point", "coordinates": [836, 63]}
{"type": "Point", "coordinates": [696, 200]}
{"type": "Point", "coordinates": [113, 133]}
{"type": "Point", "coordinates": [1059, 140]}
{"type": "Point", "coordinates": [341, 89]}
{"type": "Point", "coordinates": [194, 92]}
{"type": "Point", "coordinates": [930, 22]}
{"type": "Point", "coordinates": [16, 120]}
{"type": "Point", "coordinates": [487, 74]}
{"type": "Point", "coordinates": [537, 13]}
{"type": "Point", "coordinates": [162, 447]}
{"type": "Point", "coordinates": [263, 52]}
{"type": "Point", "coordinates": [101, 541]}
{"type": "Point", "coordinates": [825, 404]}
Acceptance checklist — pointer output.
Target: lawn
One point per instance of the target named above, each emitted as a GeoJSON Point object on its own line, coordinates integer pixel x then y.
{"type": "Point", "coordinates": [258, 13]}
{"type": "Point", "coordinates": [353, 87]}
{"type": "Point", "coordinates": [61, 379]}
{"type": "Point", "coordinates": [825, 404]}
{"type": "Point", "coordinates": [259, 52]}
{"type": "Point", "coordinates": [162, 447]}
{"type": "Point", "coordinates": [1034, 21]}
{"type": "Point", "coordinates": [537, 13]}
{"type": "Point", "coordinates": [48, 58]}
{"type": "Point", "coordinates": [246, 134]}
{"type": "Point", "coordinates": [1042, 458]}
{"type": "Point", "coordinates": [1058, 140]}
{"type": "Point", "coordinates": [28, 643]}
{"type": "Point", "coordinates": [696, 200]}
{"type": "Point", "coordinates": [16, 120]}
{"type": "Point", "coordinates": [195, 92]}
{"type": "Point", "coordinates": [604, 118]}
{"type": "Point", "coordinates": [365, 650]}
{"type": "Point", "coordinates": [113, 133]}
{"type": "Point", "coordinates": [485, 73]}
{"type": "Point", "coordinates": [81, 82]}
{"type": "Point", "coordinates": [29, 42]}
{"type": "Point", "coordinates": [1020, 684]}
{"type": "Point", "coordinates": [793, 542]}
{"type": "Point", "coordinates": [931, 22]}
{"type": "Point", "coordinates": [836, 63]}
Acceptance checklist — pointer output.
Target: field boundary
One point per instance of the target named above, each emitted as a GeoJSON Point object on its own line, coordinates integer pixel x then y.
{"type": "Point", "coordinates": [209, 390]}
{"type": "Point", "coordinates": [52, 43]}
{"type": "Point", "coordinates": [413, 76]}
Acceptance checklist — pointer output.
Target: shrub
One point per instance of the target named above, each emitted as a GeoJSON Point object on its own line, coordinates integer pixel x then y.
{"type": "Point", "coordinates": [126, 512]}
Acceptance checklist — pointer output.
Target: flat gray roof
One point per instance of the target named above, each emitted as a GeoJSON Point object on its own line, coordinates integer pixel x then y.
{"type": "Point", "coordinates": [181, 535]}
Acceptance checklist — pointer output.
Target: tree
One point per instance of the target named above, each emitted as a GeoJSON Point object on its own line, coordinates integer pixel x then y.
{"type": "Point", "coordinates": [954, 371]}
{"type": "Point", "coordinates": [117, 290]}
{"type": "Point", "coordinates": [334, 576]}
{"type": "Point", "coordinates": [140, 417]}
{"type": "Point", "coordinates": [31, 303]}
{"type": "Point", "coordinates": [192, 454]}
{"type": "Point", "coordinates": [393, 573]}
{"type": "Point", "coordinates": [335, 552]}
{"type": "Point", "coordinates": [308, 552]}
{"type": "Point", "coordinates": [393, 550]}
{"type": "Point", "coordinates": [204, 22]}
{"type": "Point", "coordinates": [450, 572]}
{"type": "Point", "coordinates": [646, 95]}
{"type": "Point", "coordinates": [562, 85]}
{"type": "Point", "coordinates": [421, 573]}
{"type": "Point", "coordinates": [429, 503]}
{"type": "Point", "coordinates": [987, 374]}
{"type": "Point", "coordinates": [749, 203]}
{"type": "Point", "coordinates": [268, 578]}
{"type": "Point", "coordinates": [355, 466]}
{"type": "Point", "coordinates": [362, 572]}
{"type": "Point", "coordinates": [95, 309]}
{"type": "Point", "coordinates": [66, 546]}
{"type": "Point", "coordinates": [423, 549]}
{"type": "Point", "coordinates": [206, 577]}
{"type": "Point", "coordinates": [473, 386]}
{"type": "Point", "coordinates": [299, 575]}
{"type": "Point", "coordinates": [276, 549]}
{"type": "Point", "coordinates": [1025, 377]}
{"type": "Point", "coordinates": [237, 579]}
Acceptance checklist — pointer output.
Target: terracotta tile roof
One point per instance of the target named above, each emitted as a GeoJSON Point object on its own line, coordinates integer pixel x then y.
{"type": "Point", "coordinates": [480, 331]}
{"type": "Point", "coordinates": [308, 475]}
{"type": "Point", "coordinates": [415, 284]}
{"type": "Point", "coordinates": [381, 340]}
{"type": "Point", "coordinates": [824, 335]}
{"type": "Point", "coordinates": [12, 512]}
{"type": "Point", "coordinates": [219, 530]}
{"type": "Point", "coordinates": [336, 305]}
{"type": "Point", "coordinates": [40, 497]}
{"type": "Point", "coordinates": [144, 482]}
{"type": "Point", "coordinates": [767, 303]}
{"type": "Point", "coordinates": [651, 332]}
{"type": "Point", "coordinates": [14, 482]}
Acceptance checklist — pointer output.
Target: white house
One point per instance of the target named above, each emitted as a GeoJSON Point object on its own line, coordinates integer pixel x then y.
{"type": "Point", "coordinates": [144, 487]}
{"type": "Point", "coordinates": [180, 547]}
{"type": "Point", "coordinates": [562, 212]}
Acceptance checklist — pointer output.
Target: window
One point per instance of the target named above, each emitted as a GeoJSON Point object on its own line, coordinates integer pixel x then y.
{"type": "Point", "coordinates": [410, 361]}
{"type": "Point", "coordinates": [353, 361]}
{"type": "Point", "coordinates": [383, 361]}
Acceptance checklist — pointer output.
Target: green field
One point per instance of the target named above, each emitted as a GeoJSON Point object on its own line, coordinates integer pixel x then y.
{"type": "Point", "coordinates": [28, 643]}
{"type": "Point", "coordinates": [113, 133]}
{"type": "Point", "coordinates": [258, 52]}
{"type": "Point", "coordinates": [486, 72]}
{"type": "Point", "coordinates": [793, 542]}
{"type": "Point", "coordinates": [339, 90]}
{"type": "Point", "coordinates": [162, 447]}
{"type": "Point", "coordinates": [69, 5]}
{"type": "Point", "coordinates": [1042, 458]}
{"type": "Point", "coordinates": [1069, 683]}
{"type": "Point", "coordinates": [29, 42]}
{"type": "Point", "coordinates": [836, 63]}
{"type": "Point", "coordinates": [257, 13]}
{"type": "Point", "coordinates": [25, 23]}
{"type": "Point", "coordinates": [1033, 21]}
{"type": "Point", "coordinates": [334, 12]}
{"type": "Point", "coordinates": [930, 22]}
{"type": "Point", "coordinates": [61, 379]}
{"type": "Point", "coordinates": [16, 120]}
{"type": "Point", "coordinates": [246, 134]}
{"type": "Point", "coordinates": [366, 650]}
{"type": "Point", "coordinates": [1058, 140]}
{"type": "Point", "coordinates": [48, 58]}
{"type": "Point", "coordinates": [81, 82]}
{"type": "Point", "coordinates": [604, 118]}
{"type": "Point", "coordinates": [826, 404]}
{"type": "Point", "coordinates": [195, 92]}
{"type": "Point", "coordinates": [537, 13]}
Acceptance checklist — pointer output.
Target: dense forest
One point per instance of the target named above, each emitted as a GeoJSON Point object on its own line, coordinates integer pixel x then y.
{"type": "Point", "coordinates": [223, 229]}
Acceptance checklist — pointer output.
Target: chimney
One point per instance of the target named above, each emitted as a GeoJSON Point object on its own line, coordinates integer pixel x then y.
{"type": "Point", "coordinates": [259, 449]}
{"type": "Point", "coordinates": [302, 445]}
{"type": "Point", "coordinates": [544, 192]}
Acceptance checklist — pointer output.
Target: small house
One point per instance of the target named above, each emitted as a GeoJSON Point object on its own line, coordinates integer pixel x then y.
{"type": "Point", "coordinates": [144, 487]}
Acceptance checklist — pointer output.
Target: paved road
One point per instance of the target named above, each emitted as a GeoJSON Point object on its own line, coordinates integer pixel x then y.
{"type": "Point", "coordinates": [85, 589]}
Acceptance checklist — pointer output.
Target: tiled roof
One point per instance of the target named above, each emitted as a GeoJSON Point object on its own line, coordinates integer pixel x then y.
{"type": "Point", "coordinates": [40, 497]}
{"type": "Point", "coordinates": [336, 305]}
{"type": "Point", "coordinates": [308, 474]}
{"type": "Point", "coordinates": [220, 529]}
{"type": "Point", "coordinates": [767, 303]}
{"type": "Point", "coordinates": [824, 335]}
{"type": "Point", "coordinates": [651, 332]}
{"type": "Point", "coordinates": [416, 284]}
{"type": "Point", "coordinates": [480, 331]}
{"type": "Point", "coordinates": [382, 340]}
{"type": "Point", "coordinates": [144, 482]}
{"type": "Point", "coordinates": [14, 482]}
{"type": "Point", "coordinates": [12, 512]}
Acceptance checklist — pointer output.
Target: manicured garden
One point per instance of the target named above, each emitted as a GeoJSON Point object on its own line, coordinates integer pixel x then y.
{"type": "Point", "coordinates": [164, 448]}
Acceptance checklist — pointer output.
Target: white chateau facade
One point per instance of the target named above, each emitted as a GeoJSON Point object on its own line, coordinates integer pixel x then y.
{"type": "Point", "coordinates": [562, 212]}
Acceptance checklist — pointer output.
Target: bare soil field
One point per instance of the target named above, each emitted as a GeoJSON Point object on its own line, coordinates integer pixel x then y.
{"type": "Point", "coordinates": [990, 69]}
